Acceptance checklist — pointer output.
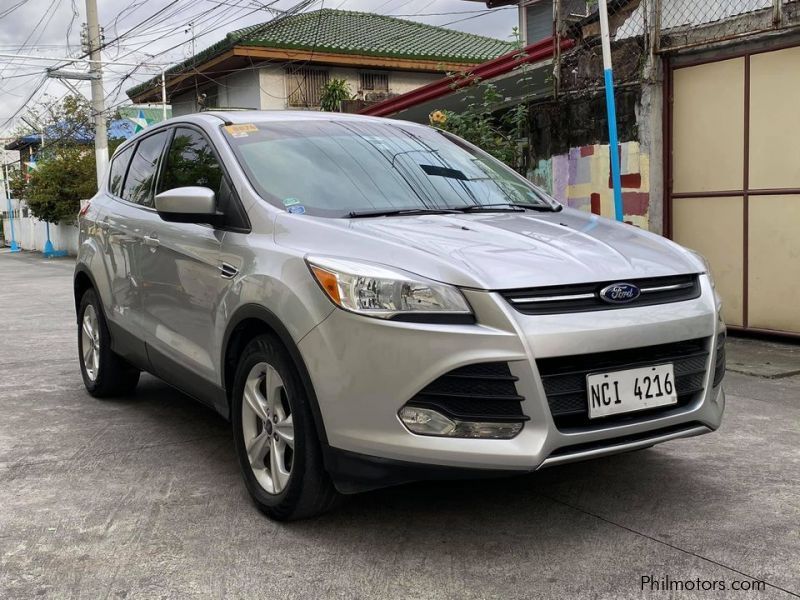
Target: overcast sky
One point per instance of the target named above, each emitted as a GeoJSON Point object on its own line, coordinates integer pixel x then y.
{"type": "Point", "coordinates": [52, 28]}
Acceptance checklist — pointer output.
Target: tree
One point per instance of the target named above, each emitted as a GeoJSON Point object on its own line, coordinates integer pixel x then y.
{"type": "Point", "coordinates": [334, 93]}
{"type": "Point", "coordinates": [65, 165]}
{"type": "Point", "coordinates": [60, 181]}
{"type": "Point", "coordinates": [487, 122]}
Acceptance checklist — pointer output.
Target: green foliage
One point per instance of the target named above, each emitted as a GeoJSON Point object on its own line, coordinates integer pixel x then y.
{"type": "Point", "coordinates": [484, 122]}
{"type": "Point", "coordinates": [59, 182]}
{"type": "Point", "coordinates": [16, 183]}
{"type": "Point", "coordinates": [334, 93]}
{"type": "Point", "coordinates": [65, 170]}
{"type": "Point", "coordinates": [488, 122]}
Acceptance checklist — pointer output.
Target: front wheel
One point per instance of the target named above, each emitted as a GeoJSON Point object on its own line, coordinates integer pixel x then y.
{"type": "Point", "coordinates": [274, 435]}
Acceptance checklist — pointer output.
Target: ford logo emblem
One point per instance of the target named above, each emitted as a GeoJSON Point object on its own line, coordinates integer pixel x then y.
{"type": "Point", "coordinates": [619, 293]}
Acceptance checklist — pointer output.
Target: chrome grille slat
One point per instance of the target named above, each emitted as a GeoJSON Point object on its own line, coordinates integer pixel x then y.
{"type": "Point", "coordinates": [584, 297]}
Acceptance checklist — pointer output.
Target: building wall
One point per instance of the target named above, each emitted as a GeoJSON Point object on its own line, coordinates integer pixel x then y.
{"type": "Point", "coordinates": [581, 178]}
{"type": "Point", "coordinates": [240, 90]}
{"type": "Point", "coordinates": [31, 234]}
{"type": "Point", "coordinates": [183, 104]}
{"type": "Point", "coordinates": [265, 87]}
{"type": "Point", "coordinates": [569, 137]}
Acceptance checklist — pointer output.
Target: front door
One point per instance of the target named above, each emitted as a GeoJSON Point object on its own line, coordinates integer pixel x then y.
{"type": "Point", "coordinates": [182, 281]}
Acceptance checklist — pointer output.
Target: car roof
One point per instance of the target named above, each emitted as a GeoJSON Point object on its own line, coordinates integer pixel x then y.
{"type": "Point", "coordinates": [283, 116]}
{"type": "Point", "coordinates": [214, 118]}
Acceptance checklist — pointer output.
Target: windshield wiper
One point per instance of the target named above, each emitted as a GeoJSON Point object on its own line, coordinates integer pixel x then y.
{"type": "Point", "coordinates": [509, 206]}
{"type": "Point", "coordinates": [401, 212]}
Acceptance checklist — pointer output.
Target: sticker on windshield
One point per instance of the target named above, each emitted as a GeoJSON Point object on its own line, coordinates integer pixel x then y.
{"type": "Point", "coordinates": [241, 130]}
{"type": "Point", "coordinates": [297, 209]}
{"type": "Point", "coordinates": [291, 201]}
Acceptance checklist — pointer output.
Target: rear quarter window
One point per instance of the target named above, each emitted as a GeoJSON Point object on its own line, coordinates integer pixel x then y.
{"type": "Point", "coordinates": [140, 182]}
{"type": "Point", "coordinates": [116, 175]}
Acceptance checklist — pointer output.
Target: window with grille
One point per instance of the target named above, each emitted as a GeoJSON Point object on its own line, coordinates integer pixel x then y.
{"type": "Point", "coordinates": [374, 82]}
{"type": "Point", "coordinates": [304, 86]}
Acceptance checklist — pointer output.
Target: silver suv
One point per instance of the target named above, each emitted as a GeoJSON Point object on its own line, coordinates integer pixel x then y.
{"type": "Point", "coordinates": [372, 302]}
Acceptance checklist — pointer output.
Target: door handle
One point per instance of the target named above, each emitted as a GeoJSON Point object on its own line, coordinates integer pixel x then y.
{"type": "Point", "coordinates": [151, 241]}
{"type": "Point", "coordinates": [103, 224]}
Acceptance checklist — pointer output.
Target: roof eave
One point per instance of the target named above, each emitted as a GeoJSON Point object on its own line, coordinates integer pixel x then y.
{"type": "Point", "coordinates": [233, 59]}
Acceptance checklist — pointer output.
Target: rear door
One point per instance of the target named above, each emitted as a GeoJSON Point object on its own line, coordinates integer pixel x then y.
{"type": "Point", "coordinates": [137, 216]}
{"type": "Point", "coordinates": [182, 282]}
{"type": "Point", "coordinates": [122, 225]}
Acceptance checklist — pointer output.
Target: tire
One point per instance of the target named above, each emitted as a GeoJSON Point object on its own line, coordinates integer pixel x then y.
{"type": "Point", "coordinates": [107, 374]}
{"type": "Point", "coordinates": [271, 416]}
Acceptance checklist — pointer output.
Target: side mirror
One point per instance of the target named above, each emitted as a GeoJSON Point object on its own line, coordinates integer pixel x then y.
{"type": "Point", "coordinates": [188, 205]}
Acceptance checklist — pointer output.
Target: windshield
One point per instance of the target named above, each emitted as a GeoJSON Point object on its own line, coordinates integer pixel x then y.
{"type": "Point", "coordinates": [347, 168]}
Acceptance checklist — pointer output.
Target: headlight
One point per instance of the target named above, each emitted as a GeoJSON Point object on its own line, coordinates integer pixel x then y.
{"type": "Point", "coordinates": [706, 266]}
{"type": "Point", "coordinates": [387, 293]}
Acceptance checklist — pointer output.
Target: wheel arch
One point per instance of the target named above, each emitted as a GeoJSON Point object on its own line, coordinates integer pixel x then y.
{"type": "Point", "coordinates": [82, 281]}
{"type": "Point", "coordinates": [248, 322]}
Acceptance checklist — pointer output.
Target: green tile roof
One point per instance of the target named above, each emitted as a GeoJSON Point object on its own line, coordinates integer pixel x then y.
{"type": "Point", "coordinates": [359, 33]}
{"type": "Point", "coordinates": [370, 34]}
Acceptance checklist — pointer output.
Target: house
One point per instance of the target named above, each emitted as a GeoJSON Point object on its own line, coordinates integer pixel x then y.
{"type": "Point", "coordinates": [537, 18]}
{"type": "Point", "coordinates": [284, 63]}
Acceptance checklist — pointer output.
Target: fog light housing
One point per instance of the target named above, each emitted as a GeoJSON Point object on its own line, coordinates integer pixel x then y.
{"type": "Point", "coordinates": [426, 421]}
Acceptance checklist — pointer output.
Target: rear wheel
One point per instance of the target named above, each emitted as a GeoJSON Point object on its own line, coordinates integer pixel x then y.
{"type": "Point", "coordinates": [274, 435]}
{"type": "Point", "coordinates": [105, 373]}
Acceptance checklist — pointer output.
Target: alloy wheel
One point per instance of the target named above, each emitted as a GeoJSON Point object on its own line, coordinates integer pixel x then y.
{"type": "Point", "coordinates": [268, 428]}
{"type": "Point", "coordinates": [90, 342]}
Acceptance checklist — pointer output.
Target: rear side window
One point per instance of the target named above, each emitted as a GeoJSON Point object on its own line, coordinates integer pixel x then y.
{"type": "Point", "coordinates": [118, 167]}
{"type": "Point", "coordinates": [191, 162]}
{"type": "Point", "coordinates": [140, 182]}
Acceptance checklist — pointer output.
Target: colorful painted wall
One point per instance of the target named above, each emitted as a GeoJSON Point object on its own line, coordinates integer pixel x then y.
{"type": "Point", "coordinates": [581, 178]}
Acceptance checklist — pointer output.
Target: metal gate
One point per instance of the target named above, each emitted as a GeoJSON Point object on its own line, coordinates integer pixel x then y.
{"type": "Point", "coordinates": [732, 129]}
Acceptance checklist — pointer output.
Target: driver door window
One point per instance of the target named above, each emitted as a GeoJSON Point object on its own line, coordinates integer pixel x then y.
{"type": "Point", "coordinates": [191, 162]}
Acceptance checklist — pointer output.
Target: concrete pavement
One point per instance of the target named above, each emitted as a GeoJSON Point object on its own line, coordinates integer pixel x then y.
{"type": "Point", "coordinates": [141, 497]}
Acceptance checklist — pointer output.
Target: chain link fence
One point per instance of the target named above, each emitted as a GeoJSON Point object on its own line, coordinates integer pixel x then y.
{"type": "Point", "coordinates": [667, 25]}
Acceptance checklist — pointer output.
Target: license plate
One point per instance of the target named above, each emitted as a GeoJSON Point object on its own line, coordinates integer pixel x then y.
{"type": "Point", "coordinates": [630, 390]}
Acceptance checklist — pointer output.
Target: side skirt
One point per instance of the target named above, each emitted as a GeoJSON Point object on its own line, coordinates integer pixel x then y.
{"type": "Point", "coordinates": [188, 382]}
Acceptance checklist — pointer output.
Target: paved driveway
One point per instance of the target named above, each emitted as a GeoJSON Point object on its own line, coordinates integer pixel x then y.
{"type": "Point", "coordinates": [141, 498]}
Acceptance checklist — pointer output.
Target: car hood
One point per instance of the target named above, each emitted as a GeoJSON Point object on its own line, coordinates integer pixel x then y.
{"type": "Point", "coordinates": [500, 250]}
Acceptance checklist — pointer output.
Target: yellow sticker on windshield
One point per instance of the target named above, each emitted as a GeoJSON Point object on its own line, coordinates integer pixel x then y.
{"type": "Point", "coordinates": [241, 130]}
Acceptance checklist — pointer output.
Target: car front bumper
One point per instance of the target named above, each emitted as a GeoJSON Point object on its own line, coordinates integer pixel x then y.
{"type": "Point", "coordinates": [364, 370]}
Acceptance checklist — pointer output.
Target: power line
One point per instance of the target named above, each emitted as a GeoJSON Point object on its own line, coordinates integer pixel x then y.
{"type": "Point", "coordinates": [11, 9]}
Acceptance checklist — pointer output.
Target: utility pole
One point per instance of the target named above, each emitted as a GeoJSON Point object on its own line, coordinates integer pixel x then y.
{"type": "Point", "coordinates": [163, 95]}
{"type": "Point", "coordinates": [93, 41]}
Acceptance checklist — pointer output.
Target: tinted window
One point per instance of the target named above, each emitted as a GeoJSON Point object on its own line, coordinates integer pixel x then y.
{"type": "Point", "coordinates": [191, 162]}
{"type": "Point", "coordinates": [141, 177]}
{"type": "Point", "coordinates": [118, 167]}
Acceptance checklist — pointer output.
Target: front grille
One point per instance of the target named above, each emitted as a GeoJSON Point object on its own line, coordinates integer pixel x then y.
{"type": "Point", "coordinates": [584, 297]}
{"type": "Point", "coordinates": [719, 364]}
{"type": "Point", "coordinates": [564, 379]}
{"type": "Point", "coordinates": [480, 392]}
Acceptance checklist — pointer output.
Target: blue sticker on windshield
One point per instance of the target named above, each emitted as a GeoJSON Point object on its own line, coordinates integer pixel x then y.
{"type": "Point", "coordinates": [297, 209]}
